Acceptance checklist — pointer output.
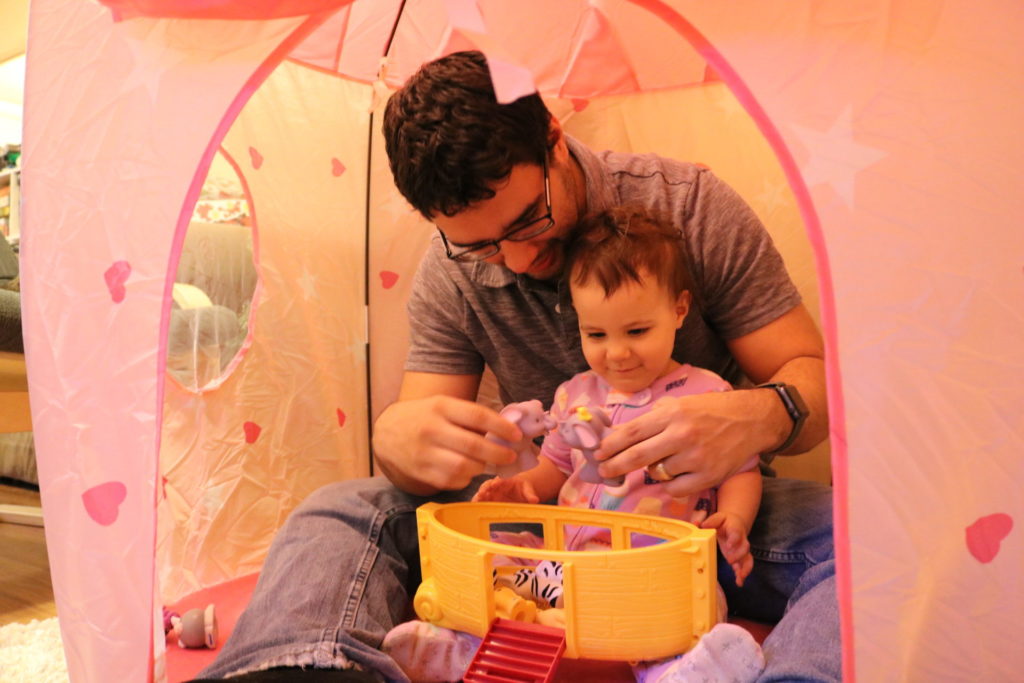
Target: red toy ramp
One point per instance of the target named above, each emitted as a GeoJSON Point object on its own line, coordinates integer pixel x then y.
{"type": "Point", "coordinates": [516, 652]}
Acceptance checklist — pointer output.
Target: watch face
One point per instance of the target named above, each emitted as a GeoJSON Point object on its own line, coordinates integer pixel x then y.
{"type": "Point", "coordinates": [796, 399]}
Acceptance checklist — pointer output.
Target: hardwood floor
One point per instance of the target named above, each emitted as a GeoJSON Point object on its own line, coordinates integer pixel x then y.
{"type": "Point", "coordinates": [25, 589]}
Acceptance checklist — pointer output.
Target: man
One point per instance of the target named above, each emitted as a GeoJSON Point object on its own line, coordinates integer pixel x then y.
{"type": "Point", "coordinates": [505, 188]}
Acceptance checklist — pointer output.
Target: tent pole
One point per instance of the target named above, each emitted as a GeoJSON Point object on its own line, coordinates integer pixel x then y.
{"type": "Point", "coordinates": [366, 249]}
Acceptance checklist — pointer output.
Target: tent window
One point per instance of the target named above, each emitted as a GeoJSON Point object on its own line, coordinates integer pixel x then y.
{"type": "Point", "coordinates": [215, 282]}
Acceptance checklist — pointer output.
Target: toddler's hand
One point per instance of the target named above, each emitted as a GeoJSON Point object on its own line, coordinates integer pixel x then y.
{"type": "Point", "coordinates": [502, 490]}
{"type": "Point", "coordinates": [732, 539]}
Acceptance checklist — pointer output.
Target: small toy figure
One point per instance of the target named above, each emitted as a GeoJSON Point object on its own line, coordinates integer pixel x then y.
{"type": "Point", "coordinates": [532, 420]}
{"type": "Point", "coordinates": [169, 618]}
{"type": "Point", "coordinates": [196, 628]}
{"type": "Point", "coordinates": [584, 430]}
{"type": "Point", "coordinates": [541, 583]}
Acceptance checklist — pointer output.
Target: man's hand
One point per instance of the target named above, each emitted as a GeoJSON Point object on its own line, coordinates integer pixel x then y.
{"type": "Point", "coordinates": [732, 540]}
{"type": "Point", "coordinates": [437, 443]}
{"type": "Point", "coordinates": [702, 439]}
{"type": "Point", "coordinates": [510, 490]}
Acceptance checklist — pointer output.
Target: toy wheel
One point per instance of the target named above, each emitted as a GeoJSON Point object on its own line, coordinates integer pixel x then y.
{"type": "Point", "coordinates": [426, 604]}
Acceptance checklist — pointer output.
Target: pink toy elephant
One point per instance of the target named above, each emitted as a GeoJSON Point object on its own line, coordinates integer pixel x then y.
{"type": "Point", "coordinates": [584, 430]}
{"type": "Point", "coordinates": [532, 420]}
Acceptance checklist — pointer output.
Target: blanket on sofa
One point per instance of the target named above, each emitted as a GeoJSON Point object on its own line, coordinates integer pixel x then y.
{"type": "Point", "coordinates": [10, 300]}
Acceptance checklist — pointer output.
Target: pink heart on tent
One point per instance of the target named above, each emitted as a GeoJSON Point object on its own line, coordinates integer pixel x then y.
{"type": "Point", "coordinates": [388, 279]}
{"type": "Point", "coordinates": [102, 501]}
{"type": "Point", "coordinates": [579, 104]}
{"type": "Point", "coordinates": [115, 276]}
{"type": "Point", "coordinates": [337, 168]}
{"type": "Point", "coordinates": [256, 158]}
{"type": "Point", "coordinates": [252, 431]}
{"type": "Point", "coordinates": [341, 417]}
{"type": "Point", "coordinates": [985, 535]}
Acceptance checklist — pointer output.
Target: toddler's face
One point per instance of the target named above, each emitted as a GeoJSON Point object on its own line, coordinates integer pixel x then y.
{"type": "Point", "coordinates": [628, 336]}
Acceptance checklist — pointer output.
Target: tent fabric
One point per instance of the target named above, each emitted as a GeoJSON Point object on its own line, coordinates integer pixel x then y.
{"type": "Point", "coordinates": [302, 380]}
{"type": "Point", "coordinates": [221, 9]}
{"type": "Point", "coordinates": [882, 130]}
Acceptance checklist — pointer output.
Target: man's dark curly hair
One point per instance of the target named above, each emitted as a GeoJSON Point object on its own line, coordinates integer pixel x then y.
{"type": "Point", "coordinates": [448, 140]}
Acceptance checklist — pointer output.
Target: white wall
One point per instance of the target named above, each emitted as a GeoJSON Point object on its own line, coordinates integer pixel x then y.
{"type": "Point", "coordinates": [12, 86]}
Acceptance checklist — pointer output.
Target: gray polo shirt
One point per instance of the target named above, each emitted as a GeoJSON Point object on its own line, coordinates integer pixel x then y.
{"type": "Point", "coordinates": [465, 315]}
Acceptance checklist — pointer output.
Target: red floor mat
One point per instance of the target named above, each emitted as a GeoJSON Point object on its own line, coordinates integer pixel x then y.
{"type": "Point", "coordinates": [230, 599]}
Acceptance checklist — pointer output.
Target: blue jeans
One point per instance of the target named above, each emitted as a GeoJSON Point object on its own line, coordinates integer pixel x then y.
{"type": "Point", "coordinates": [343, 569]}
{"type": "Point", "coordinates": [793, 582]}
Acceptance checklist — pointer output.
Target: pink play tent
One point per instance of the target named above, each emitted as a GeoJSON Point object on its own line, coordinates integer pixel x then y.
{"type": "Point", "coordinates": [215, 264]}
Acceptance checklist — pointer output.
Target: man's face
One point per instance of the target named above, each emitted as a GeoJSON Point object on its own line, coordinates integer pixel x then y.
{"type": "Point", "coordinates": [518, 200]}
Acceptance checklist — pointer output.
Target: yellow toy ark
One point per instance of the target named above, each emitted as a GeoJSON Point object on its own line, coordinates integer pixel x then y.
{"type": "Point", "coordinates": [629, 603]}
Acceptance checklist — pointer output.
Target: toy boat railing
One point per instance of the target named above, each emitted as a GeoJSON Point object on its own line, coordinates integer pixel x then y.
{"type": "Point", "coordinates": [623, 604]}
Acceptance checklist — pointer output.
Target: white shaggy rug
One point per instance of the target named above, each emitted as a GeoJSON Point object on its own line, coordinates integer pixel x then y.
{"type": "Point", "coordinates": [32, 653]}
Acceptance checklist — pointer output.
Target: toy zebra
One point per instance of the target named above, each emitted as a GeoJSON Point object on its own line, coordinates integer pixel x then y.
{"type": "Point", "coordinates": [542, 583]}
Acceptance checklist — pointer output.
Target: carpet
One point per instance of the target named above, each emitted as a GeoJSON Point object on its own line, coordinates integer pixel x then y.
{"type": "Point", "coordinates": [32, 653]}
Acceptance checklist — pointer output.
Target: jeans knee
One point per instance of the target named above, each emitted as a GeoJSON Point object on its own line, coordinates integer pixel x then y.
{"type": "Point", "coordinates": [338, 493]}
{"type": "Point", "coordinates": [353, 502]}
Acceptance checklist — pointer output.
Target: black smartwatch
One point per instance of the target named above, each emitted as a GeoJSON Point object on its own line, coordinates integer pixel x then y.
{"type": "Point", "coordinates": [795, 407]}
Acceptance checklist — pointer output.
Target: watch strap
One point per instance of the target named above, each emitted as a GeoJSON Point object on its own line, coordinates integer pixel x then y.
{"type": "Point", "coordinates": [795, 407]}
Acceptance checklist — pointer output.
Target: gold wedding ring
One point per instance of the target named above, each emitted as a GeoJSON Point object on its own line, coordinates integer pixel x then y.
{"type": "Point", "coordinates": [658, 472]}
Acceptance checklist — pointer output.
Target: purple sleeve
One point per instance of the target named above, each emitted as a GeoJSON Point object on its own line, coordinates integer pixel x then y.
{"type": "Point", "coordinates": [554, 447]}
{"type": "Point", "coordinates": [701, 381]}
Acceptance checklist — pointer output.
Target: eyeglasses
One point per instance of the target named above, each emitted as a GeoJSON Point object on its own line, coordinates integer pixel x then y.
{"type": "Point", "coordinates": [478, 251]}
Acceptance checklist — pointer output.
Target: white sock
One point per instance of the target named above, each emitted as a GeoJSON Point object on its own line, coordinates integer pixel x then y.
{"type": "Point", "coordinates": [726, 654]}
{"type": "Point", "coordinates": [428, 653]}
